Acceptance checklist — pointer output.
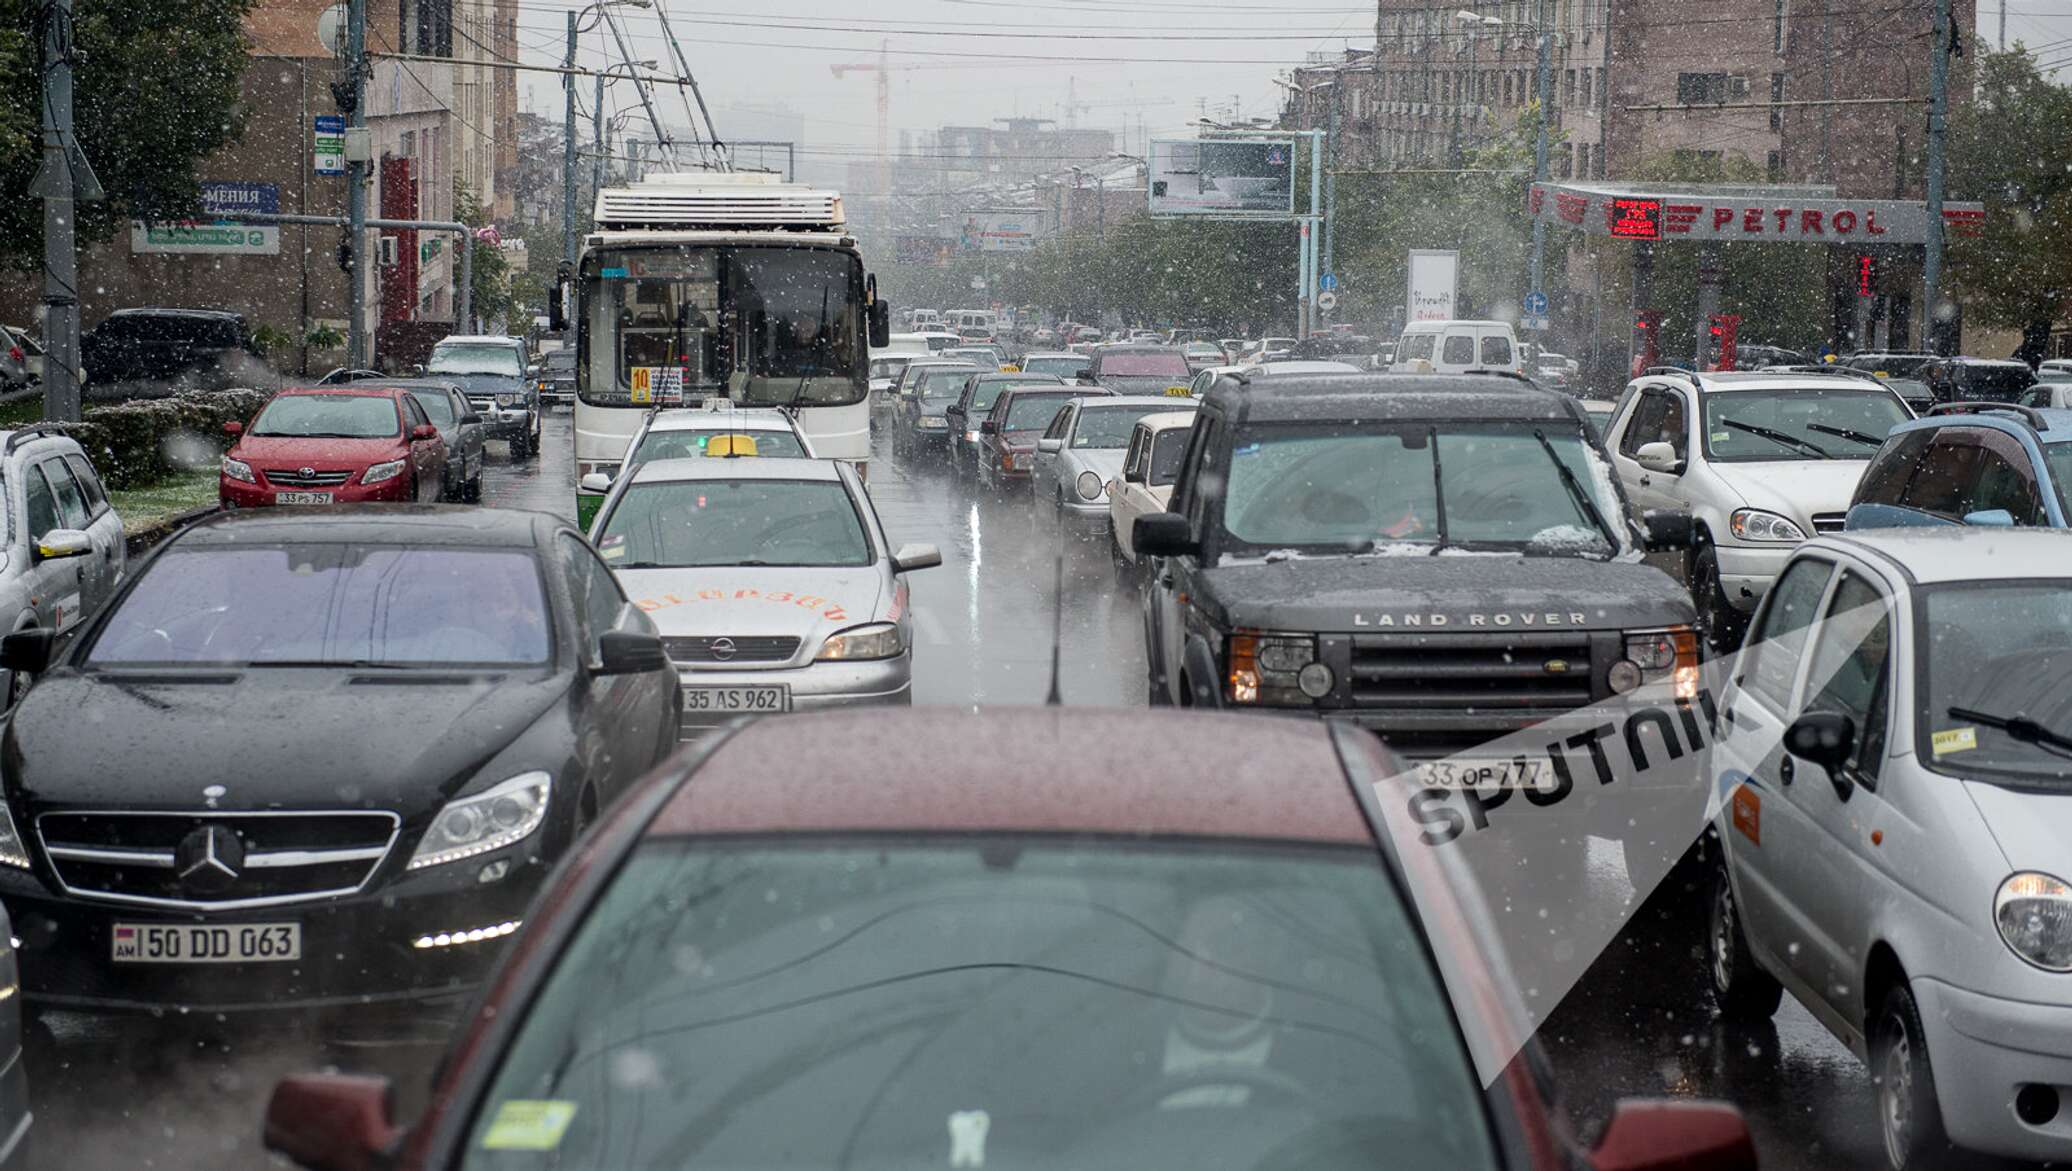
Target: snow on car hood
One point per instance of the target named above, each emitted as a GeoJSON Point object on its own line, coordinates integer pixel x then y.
{"type": "Point", "coordinates": [1796, 488]}
{"type": "Point", "coordinates": [736, 600]}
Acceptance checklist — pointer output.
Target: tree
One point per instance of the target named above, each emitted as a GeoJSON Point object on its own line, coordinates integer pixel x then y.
{"type": "Point", "coordinates": [490, 286]}
{"type": "Point", "coordinates": [2011, 147]}
{"type": "Point", "coordinates": [156, 88]}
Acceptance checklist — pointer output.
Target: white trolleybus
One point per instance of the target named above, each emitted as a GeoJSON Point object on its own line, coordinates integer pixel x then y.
{"type": "Point", "coordinates": [703, 286]}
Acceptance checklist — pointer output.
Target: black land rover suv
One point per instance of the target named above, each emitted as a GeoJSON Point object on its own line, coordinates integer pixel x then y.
{"type": "Point", "coordinates": [1443, 559]}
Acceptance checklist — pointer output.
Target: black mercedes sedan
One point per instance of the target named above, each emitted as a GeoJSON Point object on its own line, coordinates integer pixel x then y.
{"type": "Point", "coordinates": [322, 757]}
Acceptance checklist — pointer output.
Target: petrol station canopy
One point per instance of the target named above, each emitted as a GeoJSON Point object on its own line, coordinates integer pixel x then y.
{"type": "Point", "coordinates": [1752, 214]}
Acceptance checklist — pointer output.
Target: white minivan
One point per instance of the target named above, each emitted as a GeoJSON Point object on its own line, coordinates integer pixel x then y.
{"type": "Point", "coordinates": [1456, 347]}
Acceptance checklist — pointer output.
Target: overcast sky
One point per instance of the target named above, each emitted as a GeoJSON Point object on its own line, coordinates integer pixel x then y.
{"type": "Point", "coordinates": [972, 61]}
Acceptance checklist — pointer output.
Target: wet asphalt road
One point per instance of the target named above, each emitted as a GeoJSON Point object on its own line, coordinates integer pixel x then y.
{"type": "Point", "coordinates": [188, 1093]}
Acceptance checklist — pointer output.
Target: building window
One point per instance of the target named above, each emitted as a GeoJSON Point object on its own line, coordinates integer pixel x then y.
{"type": "Point", "coordinates": [1567, 166]}
{"type": "Point", "coordinates": [1701, 89]}
{"type": "Point", "coordinates": [1776, 164]}
{"type": "Point", "coordinates": [1776, 96]}
{"type": "Point", "coordinates": [1597, 163]}
{"type": "Point", "coordinates": [1777, 30]}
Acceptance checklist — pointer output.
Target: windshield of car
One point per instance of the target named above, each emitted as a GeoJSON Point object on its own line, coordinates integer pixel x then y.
{"type": "Point", "coordinates": [322, 604]}
{"type": "Point", "coordinates": [1760, 426]}
{"type": "Point", "coordinates": [1356, 488]}
{"type": "Point", "coordinates": [1146, 364]}
{"type": "Point", "coordinates": [684, 444]}
{"type": "Point", "coordinates": [438, 406]}
{"type": "Point", "coordinates": [2001, 649]}
{"type": "Point", "coordinates": [1979, 382]}
{"type": "Point", "coordinates": [1033, 412]}
{"type": "Point", "coordinates": [562, 362]}
{"type": "Point", "coordinates": [1026, 1002]}
{"type": "Point", "coordinates": [945, 382]}
{"type": "Point", "coordinates": [1062, 367]}
{"type": "Point", "coordinates": [1106, 427]}
{"type": "Point", "coordinates": [476, 358]}
{"type": "Point", "coordinates": [329, 416]}
{"type": "Point", "coordinates": [690, 523]}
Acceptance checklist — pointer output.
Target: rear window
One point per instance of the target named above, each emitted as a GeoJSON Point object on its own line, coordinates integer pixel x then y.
{"type": "Point", "coordinates": [1029, 412]}
{"type": "Point", "coordinates": [691, 444]}
{"type": "Point", "coordinates": [1147, 363]}
{"type": "Point", "coordinates": [2000, 384]}
{"type": "Point", "coordinates": [1496, 351]}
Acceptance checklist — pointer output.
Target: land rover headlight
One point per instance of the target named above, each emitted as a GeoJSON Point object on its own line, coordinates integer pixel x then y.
{"type": "Point", "coordinates": [1753, 524]}
{"type": "Point", "coordinates": [876, 640]}
{"type": "Point", "coordinates": [490, 820]}
{"type": "Point", "coordinates": [2034, 914]}
{"type": "Point", "coordinates": [1670, 653]}
{"type": "Point", "coordinates": [1268, 668]}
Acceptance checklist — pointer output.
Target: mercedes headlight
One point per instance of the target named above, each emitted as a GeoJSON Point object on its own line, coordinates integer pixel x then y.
{"type": "Point", "coordinates": [489, 820]}
{"type": "Point", "coordinates": [876, 640]}
{"type": "Point", "coordinates": [12, 852]}
{"type": "Point", "coordinates": [1089, 486]}
{"type": "Point", "coordinates": [238, 469]}
{"type": "Point", "coordinates": [1753, 524]}
{"type": "Point", "coordinates": [380, 473]}
{"type": "Point", "coordinates": [2034, 914]}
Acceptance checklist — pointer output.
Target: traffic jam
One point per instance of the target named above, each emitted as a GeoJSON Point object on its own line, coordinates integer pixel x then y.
{"type": "Point", "coordinates": [1485, 605]}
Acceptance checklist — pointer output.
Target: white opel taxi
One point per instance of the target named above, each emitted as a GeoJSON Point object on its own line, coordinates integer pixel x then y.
{"type": "Point", "coordinates": [771, 580]}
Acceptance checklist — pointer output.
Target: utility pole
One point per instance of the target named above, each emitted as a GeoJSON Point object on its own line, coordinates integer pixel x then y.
{"type": "Point", "coordinates": [568, 150]}
{"type": "Point", "coordinates": [1331, 181]}
{"type": "Point", "coordinates": [356, 353]}
{"type": "Point", "coordinates": [1938, 111]}
{"type": "Point", "coordinates": [64, 178]}
{"type": "Point", "coordinates": [1827, 89]}
{"type": "Point", "coordinates": [1543, 85]}
{"type": "Point", "coordinates": [597, 135]}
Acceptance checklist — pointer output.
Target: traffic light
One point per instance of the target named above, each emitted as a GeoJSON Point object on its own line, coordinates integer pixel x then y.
{"type": "Point", "coordinates": [345, 255]}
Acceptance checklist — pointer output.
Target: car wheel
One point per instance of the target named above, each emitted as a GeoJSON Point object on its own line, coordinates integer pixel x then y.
{"type": "Point", "coordinates": [471, 491]}
{"type": "Point", "coordinates": [1741, 990]}
{"type": "Point", "coordinates": [532, 440]}
{"type": "Point", "coordinates": [1909, 1116]}
{"type": "Point", "coordinates": [1719, 624]}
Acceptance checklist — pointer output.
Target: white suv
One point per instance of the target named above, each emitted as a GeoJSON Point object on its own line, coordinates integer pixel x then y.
{"type": "Point", "coordinates": [1762, 461]}
{"type": "Point", "coordinates": [65, 551]}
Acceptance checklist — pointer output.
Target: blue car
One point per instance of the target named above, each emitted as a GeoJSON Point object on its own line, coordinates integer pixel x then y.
{"type": "Point", "coordinates": [1989, 464]}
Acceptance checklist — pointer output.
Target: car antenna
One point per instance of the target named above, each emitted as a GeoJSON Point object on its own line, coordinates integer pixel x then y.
{"type": "Point", "coordinates": [1057, 637]}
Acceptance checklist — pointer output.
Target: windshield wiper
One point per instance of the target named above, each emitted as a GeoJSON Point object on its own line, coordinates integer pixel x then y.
{"type": "Point", "coordinates": [1846, 433]}
{"type": "Point", "coordinates": [2018, 727]}
{"type": "Point", "coordinates": [1779, 437]}
{"type": "Point", "coordinates": [1579, 497]}
{"type": "Point", "coordinates": [821, 337]}
{"type": "Point", "coordinates": [1438, 493]}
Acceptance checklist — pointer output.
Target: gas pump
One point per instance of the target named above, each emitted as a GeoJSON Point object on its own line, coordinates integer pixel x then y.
{"type": "Point", "coordinates": [1647, 341]}
{"type": "Point", "coordinates": [1720, 335]}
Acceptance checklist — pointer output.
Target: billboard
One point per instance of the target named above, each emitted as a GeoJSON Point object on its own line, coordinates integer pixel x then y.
{"type": "Point", "coordinates": [1434, 275]}
{"type": "Point", "coordinates": [924, 251]}
{"type": "Point", "coordinates": [1233, 177]}
{"type": "Point", "coordinates": [210, 233]}
{"type": "Point", "coordinates": [1000, 231]}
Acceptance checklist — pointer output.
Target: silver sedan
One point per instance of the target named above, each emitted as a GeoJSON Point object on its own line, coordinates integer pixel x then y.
{"type": "Point", "coordinates": [1082, 450]}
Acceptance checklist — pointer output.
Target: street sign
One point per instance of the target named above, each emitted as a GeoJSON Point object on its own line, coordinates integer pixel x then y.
{"type": "Point", "coordinates": [1327, 301]}
{"type": "Point", "coordinates": [327, 138]}
{"type": "Point", "coordinates": [1328, 282]}
{"type": "Point", "coordinates": [1536, 304]}
{"type": "Point", "coordinates": [1533, 322]}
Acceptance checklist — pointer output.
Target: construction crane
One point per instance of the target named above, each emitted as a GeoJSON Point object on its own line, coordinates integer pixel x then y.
{"type": "Point", "coordinates": [883, 67]}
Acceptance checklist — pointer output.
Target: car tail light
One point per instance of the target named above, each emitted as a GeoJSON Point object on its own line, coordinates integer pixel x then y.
{"type": "Point", "coordinates": [15, 352]}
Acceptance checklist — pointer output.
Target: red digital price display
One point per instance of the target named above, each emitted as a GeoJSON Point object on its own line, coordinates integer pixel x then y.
{"type": "Point", "coordinates": [1866, 276]}
{"type": "Point", "coordinates": [1636, 219]}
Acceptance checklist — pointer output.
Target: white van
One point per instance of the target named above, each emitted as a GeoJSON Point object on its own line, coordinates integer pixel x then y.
{"type": "Point", "coordinates": [921, 344]}
{"type": "Point", "coordinates": [1456, 347]}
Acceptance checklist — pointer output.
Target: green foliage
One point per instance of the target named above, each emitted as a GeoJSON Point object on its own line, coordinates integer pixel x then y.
{"type": "Point", "coordinates": [2011, 146]}
{"type": "Point", "coordinates": [272, 341]}
{"type": "Point", "coordinates": [324, 337]}
{"type": "Point", "coordinates": [139, 443]}
{"type": "Point", "coordinates": [491, 284]}
{"type": "Point", "coordinates": [155, 90]}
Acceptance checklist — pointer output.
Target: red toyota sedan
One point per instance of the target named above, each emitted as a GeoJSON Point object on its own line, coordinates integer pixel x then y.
{"type": "Point", "coordinates": [806, 948]}
{"type": "Point", "coordinates": [334, 445]}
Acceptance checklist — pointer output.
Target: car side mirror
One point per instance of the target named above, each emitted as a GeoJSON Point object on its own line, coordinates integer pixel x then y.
{"type": "Point", "coordinates": [417, 369]}
{"type": "Point", "coordinates": [424, 431]}
{"type": "Point", "coordinates": [597, 482]}
{"type": "Point", "coordinates": [1667, 528]}
{"type": "Point", "coordinates": [1050, 446]}
{"type": "Point", "coordinates": [881, 323]}
{"type": "Point", "coordinates": [1659, 456]}
{"type": "Point", "coordinates": [59, 544]}
{"type": "Point", "coordinates": [989, 427]}
{"type": "Point", "coordinates": [557, 316]}
{"type": "Point", "coordinates": [912, 557]}
{"type": "Point", "coordinates": [1993, 518]}
{"type": "Point", "coordinates": [1164, 534]}
{"type": "Point", "coordinates": [332, 1121]}
{"type": "Point", "coordinates": [1825, 738]}
{"type": "Point", "coordinates": [28, 652]}
{"type": "Point", "coordinates": [233, 428]}
{"type": "Point", "coordinates": [1646, 1135]}
{"type": "Point", "coordinates": [630, 652]}
{"type": "Point", "coordinates": [1133, 477]}
{"type": "Point", "coordinates": [470, 419]}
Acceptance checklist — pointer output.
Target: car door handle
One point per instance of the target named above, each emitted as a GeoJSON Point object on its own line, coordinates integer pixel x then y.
{"type": "Point", "coordinates": [1786, 769]}
{"type": "Point", "coordinates": [1644, 481]}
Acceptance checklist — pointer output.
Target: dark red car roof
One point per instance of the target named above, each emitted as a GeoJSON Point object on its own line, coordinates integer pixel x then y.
{"type": "Point", "coordinates": [365, 388]}
{"type": "Point", "coordinates": [1024, 769]}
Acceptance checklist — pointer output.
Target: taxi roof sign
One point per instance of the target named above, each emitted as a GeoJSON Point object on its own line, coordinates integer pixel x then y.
{"type": "Point", "coordinates": [730, 446]}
